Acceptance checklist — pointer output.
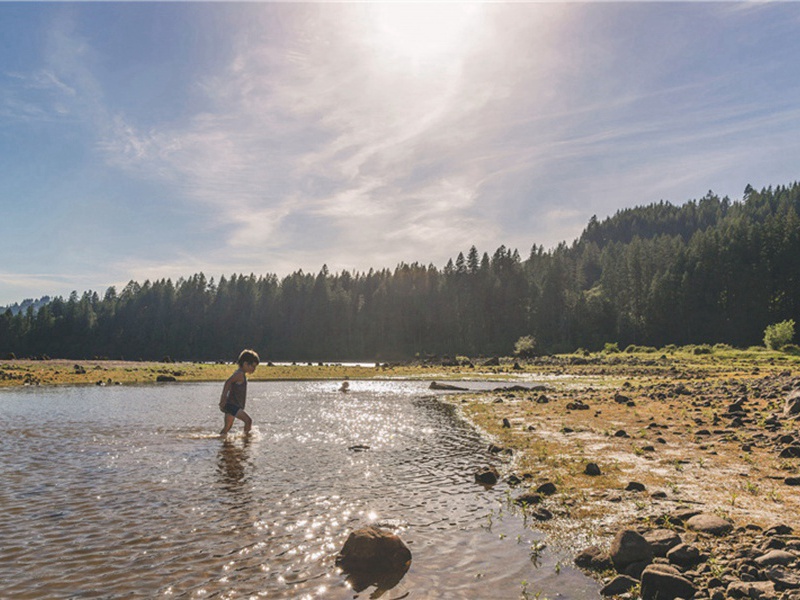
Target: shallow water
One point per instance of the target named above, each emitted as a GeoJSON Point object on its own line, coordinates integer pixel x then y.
{"type": "Point", "coordinates": [126, 492]}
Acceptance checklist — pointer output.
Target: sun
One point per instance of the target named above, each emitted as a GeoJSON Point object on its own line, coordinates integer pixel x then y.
{"type": "Point", "coordinates": [420, 31]}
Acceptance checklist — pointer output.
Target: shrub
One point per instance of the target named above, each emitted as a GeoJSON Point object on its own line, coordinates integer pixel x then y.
{"type": "Point", "coordinates": [671, 348]}
{"type": "Point", "coordinates": [779, 334]}
{"type": "Point", "coordinates": [791, 349]}
{"type": "Point", "coordinates": [702, 349]}
{"type": "Point", "coordinates": [525, 347]}
{"type": "Point", "coordinates": [611, 348]}
{"type": "Point", "coordinates": [722, 347]}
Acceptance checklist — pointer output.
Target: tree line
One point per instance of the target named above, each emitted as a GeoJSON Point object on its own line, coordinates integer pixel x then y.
{"type": "Point", "coordinates": [708, 271]}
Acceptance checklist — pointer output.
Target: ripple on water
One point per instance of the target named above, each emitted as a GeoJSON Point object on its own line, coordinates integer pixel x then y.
{"type": "Point", "coordinates": [129, 492]}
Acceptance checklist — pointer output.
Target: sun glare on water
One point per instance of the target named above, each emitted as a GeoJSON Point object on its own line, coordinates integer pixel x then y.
{"type": "Point", "coordinates": [420, 32]}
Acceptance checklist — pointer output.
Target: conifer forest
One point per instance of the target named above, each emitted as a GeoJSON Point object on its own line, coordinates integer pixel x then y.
{"type": "Point", "coordinates": [709, 271]}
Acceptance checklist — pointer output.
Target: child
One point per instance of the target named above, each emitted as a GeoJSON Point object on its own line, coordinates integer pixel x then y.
{"type": "Point", "coordinates": [234, 393]}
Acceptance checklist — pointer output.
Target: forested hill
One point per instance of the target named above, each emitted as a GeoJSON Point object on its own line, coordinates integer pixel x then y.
{"type": "Point", "coordinates": [709, 271]}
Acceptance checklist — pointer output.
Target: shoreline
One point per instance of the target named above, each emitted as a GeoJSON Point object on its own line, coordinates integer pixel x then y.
{"type": "Point", "coordinates": [671, 436]}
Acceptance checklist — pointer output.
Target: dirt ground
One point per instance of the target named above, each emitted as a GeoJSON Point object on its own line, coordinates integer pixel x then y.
{"type": "Point", "coordinates": [710, 436]}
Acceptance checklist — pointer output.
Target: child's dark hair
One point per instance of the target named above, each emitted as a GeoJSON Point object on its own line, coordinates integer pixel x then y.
{"type": "Point", "coordinates": [248, 356]}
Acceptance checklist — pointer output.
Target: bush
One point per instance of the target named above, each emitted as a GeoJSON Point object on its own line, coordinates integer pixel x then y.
{"type": "Point", "coordinates": [702, 349]}
{"type": "Point", "coordinates": [791, 349]}
{"type": "Point", "coordinates": [779, 334]}
{"type": "Point", "coordinates": [671, 348]}
{"type": "Point", "coordinates": [611, 348]}
{"type": "Point", "coordinates": [722, 347]}
{"type": "Point", "coordinates": [525, 347]}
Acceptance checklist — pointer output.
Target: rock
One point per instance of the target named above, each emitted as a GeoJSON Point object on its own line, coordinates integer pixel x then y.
{"type": "Point", "coordinates": [791, 406]}
{"type": "Point", "coordinates": [779, 530]}
{"type": "Point", "coordinates": [775, 557]}
{"type": "Point", "coordinates": [619, 585]}
{"type": "Point", "coordinates": [506, 423]}
{"type": "Point", "coordinates": [783, 578]}
{"type": "Point", "coordinates": [487, 475]}
{"type": "Point", "coordinates": [527, 499]}
{"type": "Point", "coordinates": [793, 481]}
{"type": "Point", "coordinates": [662, 540]}
{"type": "Point", "coordinates": [592, 469]}
{"type": "Point", "coordinates": [446, 386]}
{"type": "Point", "coordinates": [165, 378]}
{"type": "Point", "coordinates": [684, 555]}
{"type": "Point", "coordinates": [594, 559]}
{"type": "Point", "coordinates": [577, 405]}
{"type": "Point", "coordinates": [790, 452]}
{"type": "Point", "coordinates": [756, 590]}
{"type": "Point", "coordinates": [541, 514]}
{"type": "Point", "coordinates": [635, 486]}
{"type": "Point", "coordinates": [374, 556]}
{"type": "Point", "coordinates": [358, 447]}
{"type": "Point", "coordinates": [548, 488]}
{"type": "Point", "coordinates": [629, 547]}
{"type": "Point", "coordinates": [711, 524]}
{"type": "Point", "coordinates": [659, 583]}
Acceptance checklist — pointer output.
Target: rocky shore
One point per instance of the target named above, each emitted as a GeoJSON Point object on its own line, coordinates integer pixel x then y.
{"type": "Point", "coordinates": [662, 485]}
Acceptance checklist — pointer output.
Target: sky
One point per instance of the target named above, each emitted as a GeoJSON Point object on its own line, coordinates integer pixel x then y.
{"type": "Point", "coordinates": [148, 140]}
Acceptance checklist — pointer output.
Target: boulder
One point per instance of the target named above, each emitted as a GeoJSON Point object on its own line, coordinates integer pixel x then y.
{"type": "Point", "coordinates": [662, 540]}
{"type": "Point", "coordinates": [775, 557]}
{"type": "Point", "coordinates": [619, 585]}
{"type": "Point", "coordinates": [755, 590]}
{"type": "Point", "coordinates": [660, 582]}
{"type": "Point", "coordinates": [791, 407]}
{"type": "Point", "coordinates": [684, 555]}
{"type": "Point", "coordinates": [165, 378]}
{"type": "Point", "coordinates": [593, 559]}
{"type": "Point", "coordinates": [712, 524]}
{"type": "Point", "coordinates": [374, 556]}
{"type": "Point", "coordinates": [629, 547]}
{"type": "Point", "coordinates": [783, 579]}
{"type": "Point", "coordinates": [486, 476]}
{"type": "Point", "coordinates": [790, 452]}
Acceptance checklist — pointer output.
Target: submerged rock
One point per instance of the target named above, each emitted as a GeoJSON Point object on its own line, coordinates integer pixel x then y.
{"type": "Point", "coordinates": [374, 556]}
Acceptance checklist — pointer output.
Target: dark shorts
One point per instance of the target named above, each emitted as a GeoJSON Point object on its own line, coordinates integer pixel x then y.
{"type": "Point", "coordinates": [231, 408]}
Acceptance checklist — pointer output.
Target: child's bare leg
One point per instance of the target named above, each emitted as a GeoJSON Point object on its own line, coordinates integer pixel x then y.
{"type": "Point", "coordinates": [248, 422]}
{"type": "Point", "coordinates": [228, 423]}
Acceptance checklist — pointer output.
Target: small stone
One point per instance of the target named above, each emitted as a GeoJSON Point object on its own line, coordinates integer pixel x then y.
{"type": "Point", "coordinates": [592, 469]}
{"type": "Point", "coordinates": [548, 488]}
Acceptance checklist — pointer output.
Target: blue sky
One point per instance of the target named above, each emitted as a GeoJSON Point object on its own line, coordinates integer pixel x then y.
{"type": "Point", "coordinates": [149, 140]}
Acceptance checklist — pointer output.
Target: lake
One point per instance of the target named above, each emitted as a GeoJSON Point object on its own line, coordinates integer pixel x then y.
{"type": "Point", "coordinates": [127, 491]}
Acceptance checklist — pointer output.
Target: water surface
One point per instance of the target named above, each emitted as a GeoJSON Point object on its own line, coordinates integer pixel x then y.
{"type": "Point", "coordinates": [126, 492]}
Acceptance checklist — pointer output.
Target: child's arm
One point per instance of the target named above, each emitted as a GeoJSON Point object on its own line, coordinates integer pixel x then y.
{"type": "Point", "coordinates": [237, 377]}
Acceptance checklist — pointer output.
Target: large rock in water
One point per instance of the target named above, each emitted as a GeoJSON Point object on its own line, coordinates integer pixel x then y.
{"type": "Point", "coordinates": [374, 556]}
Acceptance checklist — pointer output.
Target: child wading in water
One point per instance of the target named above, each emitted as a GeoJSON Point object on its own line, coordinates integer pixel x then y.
{"type": "Point", "coordinates": [234, 393]}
